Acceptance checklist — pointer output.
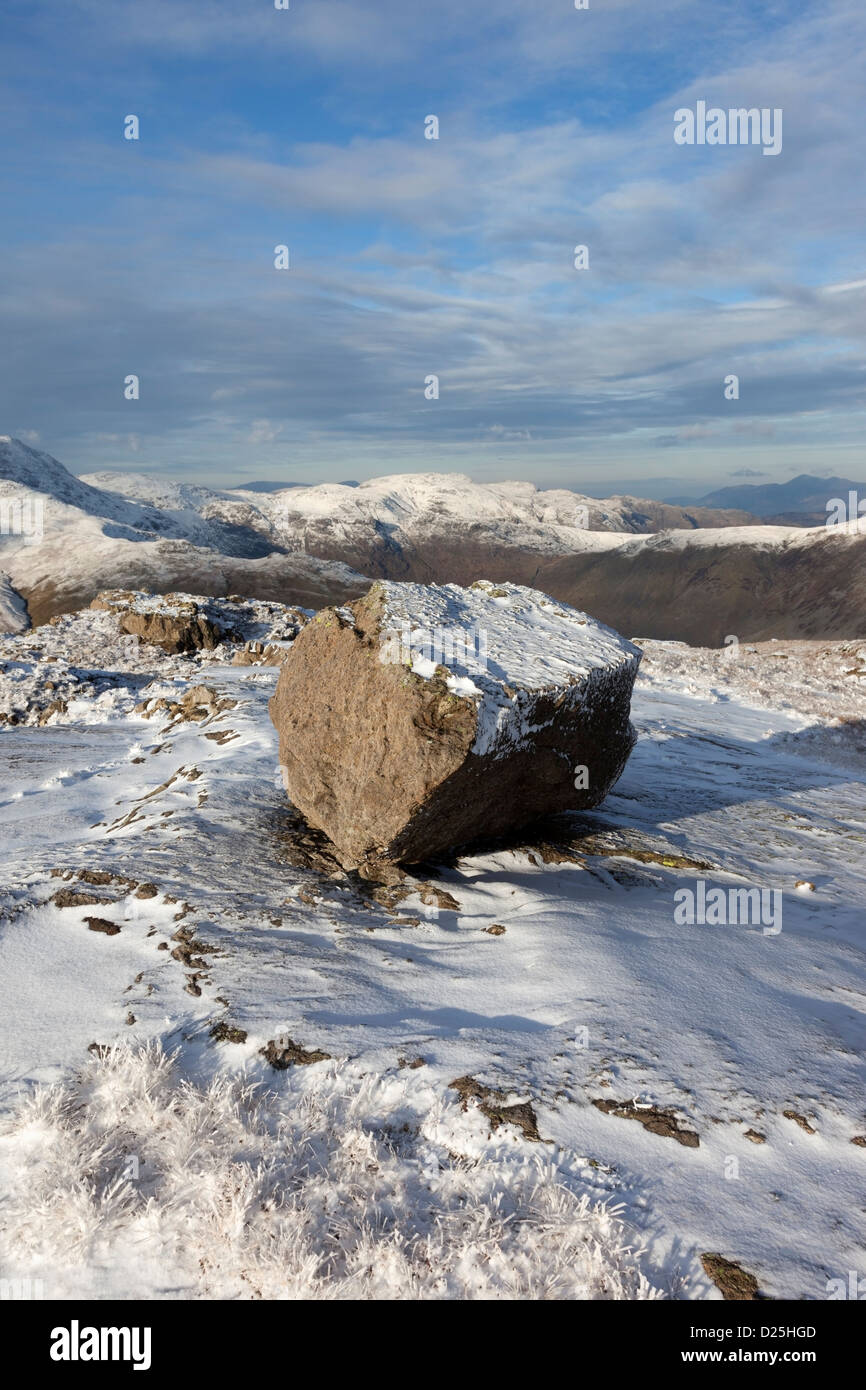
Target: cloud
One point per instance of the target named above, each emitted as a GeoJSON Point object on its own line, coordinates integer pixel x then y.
{"type": "Point", "coordinates": [454, 257]}
{"type": "Point", "coordinates": [263, 432]}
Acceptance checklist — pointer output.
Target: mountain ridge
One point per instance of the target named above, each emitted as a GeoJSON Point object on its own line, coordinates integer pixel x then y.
{"type": "Point", "coordinates": [323, 544]}
{"type": "Point", "coordinates": [806, 496]}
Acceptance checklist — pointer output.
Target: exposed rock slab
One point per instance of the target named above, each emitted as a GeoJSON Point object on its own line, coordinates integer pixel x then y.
{"type": "Point", "coordinates": [420, 718]}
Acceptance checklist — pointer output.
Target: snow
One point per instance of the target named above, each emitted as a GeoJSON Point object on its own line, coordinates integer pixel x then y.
{"type": "Point", "coordinates": [423, 505]}
{"type": "Point", "coordinates": [501, 644]}
{"type": "Point", "coordinates": [413, 500]}
{"type": "Point", "coordinates": [748, 773]}
{"type": "Point", "coordinates": [342, 1186]}
{"type": "Point", "coordinates": [131, 529]}
{"type": "Point", "coordinates": [760, 537]}
{"type": "Point", "coordinates": [13, 609]}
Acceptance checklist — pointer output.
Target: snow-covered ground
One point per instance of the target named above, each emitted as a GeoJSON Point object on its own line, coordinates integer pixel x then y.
{"type": "Point", "coordinates": [561, 973]}
{"type": "Point", "coordinates": [13, 609]}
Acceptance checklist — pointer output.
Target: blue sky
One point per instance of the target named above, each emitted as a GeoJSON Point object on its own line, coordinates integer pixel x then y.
{"type": "Point", "coordinates": [412, 257]}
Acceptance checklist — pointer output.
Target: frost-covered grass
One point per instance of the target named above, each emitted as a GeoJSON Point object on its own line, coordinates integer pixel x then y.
{"type": "Point", "coordinates": [233, 1191]}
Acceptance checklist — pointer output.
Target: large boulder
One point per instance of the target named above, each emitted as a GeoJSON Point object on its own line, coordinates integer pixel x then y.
{"type": "Point", "coordinates": [420, 718]}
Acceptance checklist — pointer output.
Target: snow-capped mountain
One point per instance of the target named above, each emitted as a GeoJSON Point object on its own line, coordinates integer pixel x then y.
{"type": "Point", "coordinates": [63, 538]}
{"type": "Point", "coordinates": [699, 584]}
{"type": "Point", "coordinates": [413, 502]}
{"type": "Point", "coordinates": [643, 567]}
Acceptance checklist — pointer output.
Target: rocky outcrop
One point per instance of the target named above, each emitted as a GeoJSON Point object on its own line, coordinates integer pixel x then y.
{"type": "Point", "coordinates": [420, 718]}
{"type": "Point", "coordinates": [198, 703]}
{"type": "Point", "coordinates": [261, 654]}
{"type": "Point", "coordinates": [174, 622]}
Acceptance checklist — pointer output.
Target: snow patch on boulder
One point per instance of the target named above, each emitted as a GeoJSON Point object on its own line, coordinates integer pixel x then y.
{"type": "Point", "coordinates": [502, 644]}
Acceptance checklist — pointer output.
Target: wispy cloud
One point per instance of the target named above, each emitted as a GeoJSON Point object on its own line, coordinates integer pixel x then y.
{"type": "Point", "coordinates": [412, 257]}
